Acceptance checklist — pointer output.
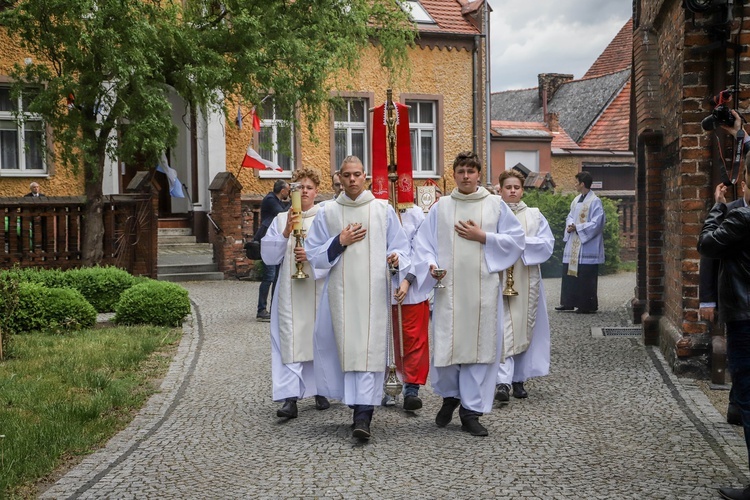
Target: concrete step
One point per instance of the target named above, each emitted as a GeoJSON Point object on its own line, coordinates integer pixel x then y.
{"type": "Point", "coordinates": [172, 259]}
{"type": "Point", "coordinates": [183, 268]}
{"type": "Point", "coordinates": [175, 231]}
{"type": "Point", "coordinates": [172, 239]}
{"type": "Point", "coordinates": [215, 276]}
{"type": "Point", "coordinates": [186, 248]}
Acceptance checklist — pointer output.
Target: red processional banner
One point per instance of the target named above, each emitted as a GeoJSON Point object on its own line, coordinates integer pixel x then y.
{"type": "Point", "coordinates": [380, 183]}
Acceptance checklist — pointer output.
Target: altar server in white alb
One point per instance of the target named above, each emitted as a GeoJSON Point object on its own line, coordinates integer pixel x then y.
{"type": "Point", "coordinates": [584, 249]}
{"type": "Point", "coordinates": [526, 345]}
{"type": "Point", "coordinates": [356, 237]}
{"type": "Point", "coordinates": [293, 317]}
{"type": "Point", "coordinates": [474, 236]}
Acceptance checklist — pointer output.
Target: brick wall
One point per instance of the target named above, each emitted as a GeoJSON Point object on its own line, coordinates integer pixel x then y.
{"type": "Point", "coordinates": [676, 172]}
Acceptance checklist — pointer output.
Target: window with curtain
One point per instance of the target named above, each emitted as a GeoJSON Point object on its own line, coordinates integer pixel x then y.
{"type": "Point", "coordinates": [350, 131]}
{"type": "Point", "coordinates": [22, 135]}
{"type": "Point", "coordinates": [276, 136]}
{"type": "Point", "coordinates": [423, 135]}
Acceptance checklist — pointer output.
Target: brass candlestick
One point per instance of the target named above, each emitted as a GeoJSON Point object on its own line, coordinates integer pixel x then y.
{"type": "Point", "coordinates": [299, 236]}
{"type": "Point", "coordinates": [509, 291]}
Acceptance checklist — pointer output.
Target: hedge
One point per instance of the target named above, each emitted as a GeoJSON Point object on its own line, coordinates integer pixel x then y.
{"type": "Point", "coordinates": [159, 303]}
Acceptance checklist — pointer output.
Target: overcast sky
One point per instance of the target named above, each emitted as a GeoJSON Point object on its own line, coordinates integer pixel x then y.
{"type": "Point", "coordinates": [550, 36]}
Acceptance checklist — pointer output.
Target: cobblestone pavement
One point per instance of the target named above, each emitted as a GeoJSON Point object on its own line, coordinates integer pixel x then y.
{"type": "Point", "coordinates": [610, 421]}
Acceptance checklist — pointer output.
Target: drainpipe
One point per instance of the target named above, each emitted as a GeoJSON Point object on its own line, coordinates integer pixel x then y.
{"type": "Point", "coordinates": [475, 94]}
{"type": "Point", "coordinates": [488, 90]}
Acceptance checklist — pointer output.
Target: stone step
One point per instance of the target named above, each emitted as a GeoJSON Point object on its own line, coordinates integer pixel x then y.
{"type": "Point", "coordinates": [175, 231]}
{"type": "Point", "coordinates": [175, 239]}
{"type": "Point", "coordinates": [214, 276]}
{"type": "Point", "coordinates": [186, 248]}
{"type": "Point", "coordinates": [194, 259]}
{"type": "Point", "coordinates": [183, 268]}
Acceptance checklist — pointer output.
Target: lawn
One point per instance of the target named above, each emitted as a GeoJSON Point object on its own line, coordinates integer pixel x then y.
{"type": "Point", "coordinates": [62, 396]}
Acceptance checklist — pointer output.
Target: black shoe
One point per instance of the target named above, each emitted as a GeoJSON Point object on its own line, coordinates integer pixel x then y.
{"type": "Point", "coordinates": [584, 311]}
{"type": "Point", "coordinates": [733, 414]}
{"type": "Point", "coordinates": [321, 403]}
{"type": "Point", "coordinates": [445, 415]}
{"type": "Point", "coordinates": [412, 403]}
{"type": "Point", "coordinates": [735, 493]}
{"type": "Point", "coordinates": [502, 393]}
{"type": "Point", "coordinates": [472, 426]}
{"type": "Point", "coordinates": [361, 429]}
{"type": "Point", "coordinates": [263, 316]}
{"type": "Point", "coordinates": [564, 308]}
{"type": "Point", "coordinates": [518, 391]}
{"type": "Point", "coordinates": [289, 410]}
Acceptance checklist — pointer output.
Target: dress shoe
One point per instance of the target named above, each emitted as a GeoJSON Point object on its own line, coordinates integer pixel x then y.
{"type": "Point", "coordinates": [502, 393]}
{"type": "Point", "coordinates": [412, 403]}
{"type": "Point", "coordinates": [564, 308]}
{"type": "Point", "coordinates": [445, 414]}
{"type": "Point", "coordinates": [387, 401]}
{"type": "Point", "coordinates": [361, 429]}
{"type": "Point", "coordinates": [288, 410]}
{"type": "Point", "coordinates": [263, 316]}
{"type": "Point", "coordinates": [470, 424]}
{"type": "Point", "coordinates": [584, 311]}
{"type": "Point", "coordinates": [733, 414]}
{"type": "Point", "coordinates": [518, 391]}
{"type": "Point", "coordinates": [321, 403]}
{"type": "Point", "coordinates": [735, 493]}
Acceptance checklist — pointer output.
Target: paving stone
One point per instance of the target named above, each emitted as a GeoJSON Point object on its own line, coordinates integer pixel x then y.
{"type": "Point", "coordinates": [610, 421]}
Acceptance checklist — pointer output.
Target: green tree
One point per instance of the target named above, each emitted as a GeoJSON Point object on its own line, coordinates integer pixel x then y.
{"type": "Point", "coordinates": [120, 58]}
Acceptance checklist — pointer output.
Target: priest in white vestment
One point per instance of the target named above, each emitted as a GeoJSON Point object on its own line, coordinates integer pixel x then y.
{"type": "Point", "coordinates": [526, 346]}
{"type": "Point", "coordinates": [293, 317]}
{"type": "Point", "coordinates": [474, 236]}
{"type": "Point", "coordinates": [356, 237]}
{"type": "Point", "coordinates": [584, 250]}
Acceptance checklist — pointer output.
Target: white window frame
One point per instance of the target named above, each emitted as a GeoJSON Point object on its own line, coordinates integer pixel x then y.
{"type": "Point", "coordinates": [350, 126]}
{"type": "Point", "coordinates": [20, 118]}
{"type": "Point", "coordinates": [515, 156]}
{"type": "Point", "coordinates": [273, 122]}
{"type": "Point", "coordinates": [418, 170]}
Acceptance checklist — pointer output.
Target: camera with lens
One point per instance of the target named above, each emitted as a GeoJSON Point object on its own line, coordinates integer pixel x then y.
{"type": "Point", "coordinates": [721, 113]}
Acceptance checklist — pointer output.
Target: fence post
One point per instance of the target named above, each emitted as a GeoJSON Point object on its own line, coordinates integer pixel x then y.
{"type": "Point", "coordinates": [226, 211]}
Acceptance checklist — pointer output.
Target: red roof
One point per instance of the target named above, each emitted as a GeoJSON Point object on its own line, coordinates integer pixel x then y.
{"type": "Point", "coordinates": [617, 56]}
{"type": "Point", "coordinates": [611, 130]}
{"type": "Point", "coordinates": [561, 140]}
{"type": "Point", "coordinates": [448, 16]}
{"type": "Point", "coordinates": [508, 125]}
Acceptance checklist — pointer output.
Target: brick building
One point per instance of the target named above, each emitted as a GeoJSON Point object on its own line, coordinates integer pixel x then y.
{"type": "Point", "coordinates": [680, 57]}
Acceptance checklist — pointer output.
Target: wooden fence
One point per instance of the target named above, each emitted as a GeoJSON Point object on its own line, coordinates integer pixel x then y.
{"type": "Point", "coordinates": [48, 232]}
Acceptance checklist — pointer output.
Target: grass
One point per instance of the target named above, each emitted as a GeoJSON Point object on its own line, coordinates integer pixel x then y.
{"type": "Point", "coordinates": [62, 396]}
{"type": "Point", "coordinates": [627, 267]}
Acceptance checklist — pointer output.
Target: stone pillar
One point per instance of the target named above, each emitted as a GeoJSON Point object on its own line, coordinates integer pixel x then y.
{"type": "Point", "coordinates": [226, 211]}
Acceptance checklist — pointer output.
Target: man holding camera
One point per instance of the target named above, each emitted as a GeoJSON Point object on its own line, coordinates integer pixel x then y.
{"type": "Point", "coordinates": [726, 236]}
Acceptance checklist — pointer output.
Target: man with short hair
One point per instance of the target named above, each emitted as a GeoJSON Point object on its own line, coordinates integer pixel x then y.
{"type": "Point", "coordinates": [584, 249]}
{"type": "Point", "coordinates": [357, 237]}
{"type": "Point", "coordinates": [336, 183]}
{"type": "Point", "coordinates": [473, 236]}
{"type": "Point", "coordinates": [34, 191]}
{"type": "Point", "coordinates": [274, 203]}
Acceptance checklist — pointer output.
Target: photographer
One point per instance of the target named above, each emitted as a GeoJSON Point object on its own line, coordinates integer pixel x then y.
{"type": "Point", "coordinates": [726, 237]}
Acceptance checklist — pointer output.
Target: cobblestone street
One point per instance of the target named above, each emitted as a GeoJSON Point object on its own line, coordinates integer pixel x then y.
{"type": "Point", "coordinates": [610, 421]}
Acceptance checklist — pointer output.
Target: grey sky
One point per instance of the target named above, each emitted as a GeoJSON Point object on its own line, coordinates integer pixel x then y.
{"type": "Point", "coordinates": [529, 37]}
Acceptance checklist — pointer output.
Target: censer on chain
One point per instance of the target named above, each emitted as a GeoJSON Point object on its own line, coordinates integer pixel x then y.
{"type": "Point", "coordinates": [298, 231]}
{"type": "Point", "coordinates": [509, 291]}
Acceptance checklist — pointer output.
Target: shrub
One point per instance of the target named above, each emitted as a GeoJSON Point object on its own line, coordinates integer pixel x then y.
{"type": "Point", "coordinates": [555, 209]}
{"type": "Point", "coordinates": [159, 303]}
{"type": "Point", "coordinates": [67, 309]}
{"type": "Point", "coordinates": [102, 286]}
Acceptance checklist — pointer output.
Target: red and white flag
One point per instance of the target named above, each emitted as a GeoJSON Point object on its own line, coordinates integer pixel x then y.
{"type": "Point", "coordinates": [255, 119]}
{"type": "Point", "coordinates": [254, 160]}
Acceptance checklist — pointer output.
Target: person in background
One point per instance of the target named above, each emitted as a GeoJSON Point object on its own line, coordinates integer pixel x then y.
{"type": "Point", "coordinates": [526, 345]}
{"type": "Point", "coordinates": [584, 249]}
{"type": "Point", "coordinates": [336, 183]}
{"type": "Point", "coordinates": [34, 191]}
{"type": "Point", "coordinates": [274, 203]}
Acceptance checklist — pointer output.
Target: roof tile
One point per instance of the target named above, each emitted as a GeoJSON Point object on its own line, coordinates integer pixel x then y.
{"type": "Point", "coordinates": [611, 130]}
{"type": "Point", "coordinates": [617, 56]}
{"type": "Point", "coordinates": [447, 15]}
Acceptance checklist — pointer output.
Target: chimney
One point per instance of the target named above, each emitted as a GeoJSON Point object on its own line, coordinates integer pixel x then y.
{"type": "Point", "coordinates": [553, 122]}
{"type": "Point", "coordinates": [549, 83]}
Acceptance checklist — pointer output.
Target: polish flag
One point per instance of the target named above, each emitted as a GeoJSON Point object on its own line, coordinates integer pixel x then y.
{"type": "Point", "coordinates": [254, 160]}
{"type": "Point", "coordinates": [255, 118]}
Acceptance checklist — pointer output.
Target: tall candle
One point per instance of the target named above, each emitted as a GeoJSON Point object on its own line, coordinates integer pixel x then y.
{"type": "Point", "coordinates": [297, 208]}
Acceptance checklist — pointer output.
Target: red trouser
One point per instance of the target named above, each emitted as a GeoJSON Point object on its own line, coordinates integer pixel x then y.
{"type": "Point", "coordinates": [416, 320]}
